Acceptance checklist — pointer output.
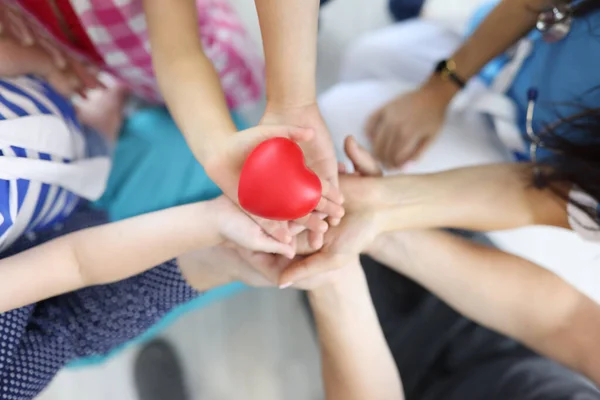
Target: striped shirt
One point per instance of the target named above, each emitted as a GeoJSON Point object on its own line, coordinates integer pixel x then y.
{"type": "Point", "coordinates": [27, 205]}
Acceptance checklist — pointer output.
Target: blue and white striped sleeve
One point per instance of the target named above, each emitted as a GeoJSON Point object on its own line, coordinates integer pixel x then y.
{"type": "Point", "coordinates": [581, 221]}
{"type": "Point", "coordinates": [26, 205]}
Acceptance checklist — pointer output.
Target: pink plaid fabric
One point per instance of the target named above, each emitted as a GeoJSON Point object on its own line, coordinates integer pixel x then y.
{"type": "Point", "coordinates": [119, 32]}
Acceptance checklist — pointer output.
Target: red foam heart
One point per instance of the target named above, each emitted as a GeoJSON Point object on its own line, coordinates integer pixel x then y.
{"type": "Point", "coordinates": [276, 184]}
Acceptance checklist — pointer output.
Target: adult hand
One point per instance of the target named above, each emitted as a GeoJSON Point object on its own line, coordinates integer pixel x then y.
{"type": "Point", "coordinates": [225, 162]}
{"type": "Point", "coordinates": [402, 129]}
{"type": "Point", "coordinates": [270, 267]}
{"type": "Point", "coordinates": [25, 49]}
{"type": "Point", "coordinates": [320, 157]}
{"type": "Point", "coordinates": [358, 229]}
{"type": "Point", "coordinates": [221, 264]}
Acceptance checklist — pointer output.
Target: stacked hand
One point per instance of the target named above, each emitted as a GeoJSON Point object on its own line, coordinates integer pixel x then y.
{"type": "Point", "coordinates": [225, 164]}
{"type": "Point", "coordinates": [254, 263]}
{"type": "Point", "coordinates": [25, 49]}
{"type": "Point", "coordinates": [405, 127]}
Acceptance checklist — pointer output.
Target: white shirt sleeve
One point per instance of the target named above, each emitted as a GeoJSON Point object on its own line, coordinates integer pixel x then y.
{"type": "Point", "coordinates": [579, 219]}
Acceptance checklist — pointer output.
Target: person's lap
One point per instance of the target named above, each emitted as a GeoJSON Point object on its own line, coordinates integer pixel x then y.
{"type": "Point", "coordinates": [443, 356]}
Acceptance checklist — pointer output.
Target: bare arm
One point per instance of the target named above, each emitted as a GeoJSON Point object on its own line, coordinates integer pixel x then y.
{"type": "Point", "coordinates": [289, 32]}
{"type": "Point", "coordinates": [503, 27]}
{"type": "Point", "coordinates": [122, 249]}
{"type": "Point", "coordinates": [357, 363]}
{"type": "Point", "coordinates": [501, 291]}
{"type": "Point", "coordinates": [482, 198]}
{"type": "Point", "coordinates": [103, 254]}
{"type": "Point", "coordinates": [187, 78]}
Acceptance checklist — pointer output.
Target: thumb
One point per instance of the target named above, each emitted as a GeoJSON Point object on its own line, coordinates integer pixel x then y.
{"type": "Point", "coordinates": [364, 163]}
{"type": "Point", "coordinates": [295, 133]}
{"type": "Point", "coordinates": [267, 244]}
{"type": "Point", "coordinates": [307, 268]}
{"type": "Point", "coordinates": [21, 60]}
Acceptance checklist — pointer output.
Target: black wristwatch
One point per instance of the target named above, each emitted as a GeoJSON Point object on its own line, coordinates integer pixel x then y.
{"type": "Point", "coordinates": [447, 70]}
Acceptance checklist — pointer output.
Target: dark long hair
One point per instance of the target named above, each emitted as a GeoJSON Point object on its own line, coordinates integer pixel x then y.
{"type": "Point", "coordinates": [574, 142]}
{"type": "Point", "coordinates": [575, 146]}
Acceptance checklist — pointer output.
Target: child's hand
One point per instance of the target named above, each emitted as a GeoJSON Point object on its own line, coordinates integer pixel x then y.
{"type": "Point", "coordinates": [25, 49]}
{"type": "Point", "coordinates": [320, 157]}
{"type": "Point", "coordinates": [224, 162]}
{"type": "Point", "coordinates": [237, 227]}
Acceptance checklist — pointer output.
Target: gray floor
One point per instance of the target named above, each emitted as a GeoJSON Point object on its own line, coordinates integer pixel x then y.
{"type": "Point", "coordinates": [258, 345]}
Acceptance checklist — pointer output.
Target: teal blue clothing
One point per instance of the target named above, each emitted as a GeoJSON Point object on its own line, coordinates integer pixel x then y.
{"type": "Point", "coordinates": [564, 73]}
{"type": "Point", "coordinates": [153, 169]}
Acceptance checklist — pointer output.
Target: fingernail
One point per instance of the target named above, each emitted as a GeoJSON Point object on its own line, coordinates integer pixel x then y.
{"type": "Point", "coordinates": [323, 227]}
{"type": "Point", "coordinates": [286, 285]}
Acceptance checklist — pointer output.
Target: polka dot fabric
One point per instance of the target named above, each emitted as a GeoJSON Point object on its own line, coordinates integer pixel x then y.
{"type": "Point", "coordinates": [38, 340]}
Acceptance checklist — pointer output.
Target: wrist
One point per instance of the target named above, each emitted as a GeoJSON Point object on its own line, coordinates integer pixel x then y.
{"type": "Point", "coordinates": [339, 290]}
{"type": "Point", "coordinates": [298, 106]}
{"type": "Point", "coordinates": [209, 147]}
{"type": "Point", "coordinates": [413, 202]}
{"type": "Point", "coordinates": [198, 269]}
{"type": "Point", "coordinates": [444, 89]}
{"type": "Point", "coordinates": [210, 221]}
{"type": "Point", "coordinates": [484, 198]}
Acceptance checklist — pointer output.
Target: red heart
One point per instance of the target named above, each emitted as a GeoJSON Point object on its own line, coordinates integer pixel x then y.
{"type": "Point", "coordinates": [276, 184]}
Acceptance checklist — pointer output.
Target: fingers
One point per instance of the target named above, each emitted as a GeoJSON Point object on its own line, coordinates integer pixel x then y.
{"type": "Point", "coordinates": [296, 227]}
{"type": "Point", "coordinates": [372, 123]}
{"type": "Point", "coordinates": [88, 79]}
{"type": "Point", "coordinates": [420, 149]}
{"type": "Point", "coordinates": [66, 84]}
{"type": "Point", "coordinates": [331, 192]}
{"type": "Point", "coordinates": [56, 55]}
{"type": "Point", "coordinates": [18, 60]}
{"type": "Point", "coordinates": [316, 240]}
{"type": "Point", "coordinates": [314, 265]}
{"type": "Point", "coordinates": [330, 203]}
{"type": "Point", "coordinates": [19, 28]}
{"type": "Point", "coordinates": [265, 243]}
{"type": "Point", "coordinates": [381, 143]}
{"type": "Point", "coordinates": [363, 161]}
{"type": "Point", "coordinates": [404, 151]}
{"type": "Point", "coordinates": [294, 133]}
{"type": "Point", "coordinates": [264, 264]}
{"type": "Point", "coordinates": [277, 229]}
{"type": "Point", "coordinates": [313, 222]}
{"type": "Point", "coordinates": [303, 246]}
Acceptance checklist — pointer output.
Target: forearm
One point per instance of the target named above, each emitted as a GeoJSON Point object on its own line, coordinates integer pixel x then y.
{"type": "Point", "coordinates": [491, 38]}
{"type": "Point", "coordinates": [104, 254]}
{"type": "Point", "coordinates": [501, 291]}
{"type": "Point", "coordinates": [289, 32]}
{"type": "Point", "coordinates": [187, 79]}
{"type": "Point", "coordinates": [357, 363]}
{"type": "Point", "coordinates": [481, 198]}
